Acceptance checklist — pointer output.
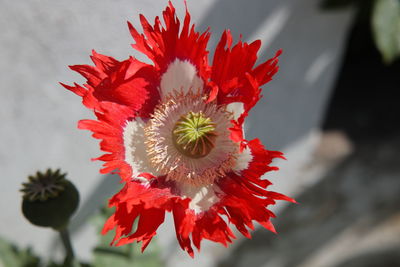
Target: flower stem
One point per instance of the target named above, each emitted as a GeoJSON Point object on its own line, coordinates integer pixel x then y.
{"type": "Point", "coordinates": [66, 240]}
{"type": "Point", "coordinates": [130, 251]}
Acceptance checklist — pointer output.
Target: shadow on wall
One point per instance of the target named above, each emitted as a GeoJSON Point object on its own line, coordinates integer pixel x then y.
{"type": "Point", "coordinates": [105, 189]}
{"type": "Point", "coordinates": [349, 214]}
{"type": "Point", "coordinates": [98, 198]}
{"type": "Point", "coordinates": [241, 17]}
{"type": "Point", "coordinates": [352, 216]}
{"type": "Point", "coordinates": [312, 43]}
{"type": "Point", "coordinates": [382, 258]}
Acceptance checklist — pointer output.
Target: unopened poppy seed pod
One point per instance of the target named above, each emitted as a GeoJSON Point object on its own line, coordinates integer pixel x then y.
{"type": "Point", "coordinates": [49, 199]}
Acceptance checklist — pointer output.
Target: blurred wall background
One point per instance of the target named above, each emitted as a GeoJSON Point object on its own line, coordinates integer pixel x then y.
{"type": "Point", "coordinates": [40, 38]}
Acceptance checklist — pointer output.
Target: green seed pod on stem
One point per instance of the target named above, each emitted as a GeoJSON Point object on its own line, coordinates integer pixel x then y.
{"type": "Point", "coordinates": [49, 199]}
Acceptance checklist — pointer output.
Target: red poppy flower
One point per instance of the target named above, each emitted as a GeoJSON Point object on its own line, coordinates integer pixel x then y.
{"type": "Point", "coordinates": [173, 130]}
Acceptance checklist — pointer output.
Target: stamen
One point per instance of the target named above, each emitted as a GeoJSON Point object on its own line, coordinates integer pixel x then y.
{"type": "Point", "coordinates": [188, 139]}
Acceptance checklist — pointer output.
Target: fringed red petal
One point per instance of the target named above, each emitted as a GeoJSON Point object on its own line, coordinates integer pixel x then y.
{"type": "Point", "coordinates": [211, 226]}
{"type": "Point", "coordinates": [246, 196]}
{"type": "Point", "coordinates": [184, 224]}
{"type": "Point", "coordinates": [164, 45]}
{"type": "Point", "coordinates": [147, 203]}
{"type": "Point", "coordinates": [129, 82]}
{"type": "Point", "coordinates": [111, 118]}
{"type": "Point", "coordinates": [233, 73]}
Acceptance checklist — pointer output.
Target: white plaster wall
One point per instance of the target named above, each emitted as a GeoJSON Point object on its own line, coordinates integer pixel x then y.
{"type": "Point", "coordinates": [40, 38]}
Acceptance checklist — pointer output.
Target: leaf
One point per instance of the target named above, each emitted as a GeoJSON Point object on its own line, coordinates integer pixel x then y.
{"type": "Point", "coordinates": [386, 28]}
{"type": "Point", "coordinates": [123, 256]}
{"type": "Point", "coordinates": [12, 256]}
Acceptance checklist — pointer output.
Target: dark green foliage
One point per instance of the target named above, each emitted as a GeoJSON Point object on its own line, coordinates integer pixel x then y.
{"type": "Point", "coordinates": [12, 256]}
{"type": "Point", "coordinates": [386, 28]}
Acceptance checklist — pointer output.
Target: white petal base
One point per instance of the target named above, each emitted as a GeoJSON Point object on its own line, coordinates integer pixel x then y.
{"type": "Point", "coordinates": [180, 76]}
{"type": "Point", "coordinates": [135, 149]}
{"type": "Point", "coordinates": [243, 160]}
{"type": "Point", "coordinates": [202, 197]}
{"type": "Point", "coordinates": [237, 108]}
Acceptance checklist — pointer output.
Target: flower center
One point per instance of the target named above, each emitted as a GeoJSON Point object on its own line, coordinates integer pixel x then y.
{"type": "Point", "coordinates": [194, 135]}
{"type": "Point", "coordinates": [195, 148]}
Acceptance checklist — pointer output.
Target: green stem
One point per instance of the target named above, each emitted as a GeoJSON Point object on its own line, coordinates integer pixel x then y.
{"type": "Point", "coordinates": [66, 240]}
{"type": "Point", "coordinates": [130, 251]}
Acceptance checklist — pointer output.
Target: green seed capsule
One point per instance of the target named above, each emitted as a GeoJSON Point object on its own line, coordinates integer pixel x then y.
{"type": "Point", "coordinates": [49, 199]}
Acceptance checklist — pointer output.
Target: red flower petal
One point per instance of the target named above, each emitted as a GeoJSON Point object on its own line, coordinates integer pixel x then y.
{"type": "Point", "coordinates": [164, 45]}
{"type": "Point", "coordinates": [234, 74]}
{"type": "Point", "coordinates": [109, 126]}
{"type": "Point", "coordinates": [129, 82]}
